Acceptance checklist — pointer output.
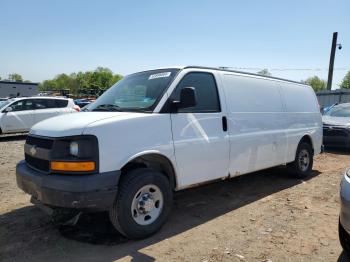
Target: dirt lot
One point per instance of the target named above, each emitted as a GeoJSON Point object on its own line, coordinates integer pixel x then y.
{"type": "Point", "coordinates": [257, 217]}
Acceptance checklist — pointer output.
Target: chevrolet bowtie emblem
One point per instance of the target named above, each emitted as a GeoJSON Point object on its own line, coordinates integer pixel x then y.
{"type": "Point", "coordinates": [32, 150]}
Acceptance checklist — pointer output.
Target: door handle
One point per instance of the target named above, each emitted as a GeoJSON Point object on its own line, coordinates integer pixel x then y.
{"type": "Point", "coordinates": [224, 123]}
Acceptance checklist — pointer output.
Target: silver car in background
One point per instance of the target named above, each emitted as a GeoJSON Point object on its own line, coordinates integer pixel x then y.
{"type": "Point", "coordinates": [344, 218]}
{"type": "Point", "coordinates": [336, 126]}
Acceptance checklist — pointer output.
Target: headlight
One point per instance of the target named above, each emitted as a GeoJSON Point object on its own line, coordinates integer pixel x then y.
{"type": "Point", "coordinates": [75, 154]}
{"type": "Point", "coordinates": [74, 148]}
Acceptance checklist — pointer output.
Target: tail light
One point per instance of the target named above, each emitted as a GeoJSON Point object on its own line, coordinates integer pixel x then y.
{"type": "Point", "coordinates": [76, 108]}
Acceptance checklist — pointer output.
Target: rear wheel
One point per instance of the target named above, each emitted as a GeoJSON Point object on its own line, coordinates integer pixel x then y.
{"type": "Point", "coordinates": [302, 165]}
{"type": "Point", "coordinates": [143, 203]}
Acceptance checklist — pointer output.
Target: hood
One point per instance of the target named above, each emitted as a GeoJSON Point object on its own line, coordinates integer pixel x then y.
{"type": "Point", "coordinates": [71, 124]}
{"type": "Point", "coordinates": [336, 121]}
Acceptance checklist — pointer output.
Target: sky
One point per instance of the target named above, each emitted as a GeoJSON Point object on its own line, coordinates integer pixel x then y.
{"type": "Point", "coordinates": [40, 39]}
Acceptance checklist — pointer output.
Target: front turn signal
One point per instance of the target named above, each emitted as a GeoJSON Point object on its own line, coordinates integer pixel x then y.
{"type": "Point", "coordinates": [73, 166]}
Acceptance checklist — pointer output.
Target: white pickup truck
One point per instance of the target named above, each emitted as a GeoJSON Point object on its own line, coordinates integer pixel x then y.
{"type": "Point", "coordinates": [159, 131]}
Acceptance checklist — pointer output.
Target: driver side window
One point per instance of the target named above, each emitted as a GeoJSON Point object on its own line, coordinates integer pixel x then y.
{"type": "Point", "coordinates": [206, 92]}
{"type": "Point", "coordinates": [22, 105]}
{"type": "Point", "coordinates": [17, 106]}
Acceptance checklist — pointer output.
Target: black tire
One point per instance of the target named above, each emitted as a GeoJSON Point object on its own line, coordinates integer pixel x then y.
{"type": "Point", "coordinates": [120, 214]}
{"type": "Point", "coordinates": [296, 168]}
{"type": "Point", "coordinates": [344, 239]}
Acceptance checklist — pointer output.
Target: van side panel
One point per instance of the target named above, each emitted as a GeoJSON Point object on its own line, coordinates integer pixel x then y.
{"type": "Point", "coordinates": [302, 117]}
{"type": "Point", "coordinates": [256, 123]}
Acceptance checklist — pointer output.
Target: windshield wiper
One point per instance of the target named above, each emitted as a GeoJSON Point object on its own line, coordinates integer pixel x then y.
{"type": "Point", "coordinates": [107, 107]}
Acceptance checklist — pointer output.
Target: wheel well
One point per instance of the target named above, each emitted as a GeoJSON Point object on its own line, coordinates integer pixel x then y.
{"type": "Point", "coordinates": [154, 161]}
{"type": "Point", "coordinates": [307, 139]}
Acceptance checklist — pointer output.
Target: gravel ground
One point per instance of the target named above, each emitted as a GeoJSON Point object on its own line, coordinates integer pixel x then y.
{"type": "Point", "coordinates": [264, 216]}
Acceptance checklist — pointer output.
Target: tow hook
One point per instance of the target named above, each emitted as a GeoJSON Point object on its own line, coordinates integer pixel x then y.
{"type": "Point", "coordinates": [60, 216]}
{"type": "Point", "coordinates": [73, 221]}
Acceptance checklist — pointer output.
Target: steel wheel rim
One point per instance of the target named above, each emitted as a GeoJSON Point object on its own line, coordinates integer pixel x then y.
{"type": "Point", "coordinates": [304, 160]}
{"type": "Point", "coordinates": [147, 205]}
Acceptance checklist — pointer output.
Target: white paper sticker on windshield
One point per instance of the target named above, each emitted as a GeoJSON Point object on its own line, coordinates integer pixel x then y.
{"type": "Point", "coordinates": [159, 75]}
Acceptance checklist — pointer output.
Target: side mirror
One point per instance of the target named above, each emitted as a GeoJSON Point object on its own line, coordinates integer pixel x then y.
{"type": "Point", "coordinates": [187, 98]}
{"type": "Point", "coordinates": [8, 109]}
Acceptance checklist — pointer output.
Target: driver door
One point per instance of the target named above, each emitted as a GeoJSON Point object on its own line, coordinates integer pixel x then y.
{"type": "Point", "coordinates": [200, 134]}
{"type": "Point", "coordinates": [21, 118]}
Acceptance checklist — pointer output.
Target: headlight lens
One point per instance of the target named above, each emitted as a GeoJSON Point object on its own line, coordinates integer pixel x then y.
{"type": "Point", "coordinates": [75, 154]}
{"type": "Point", "coordinates": [74, 148]}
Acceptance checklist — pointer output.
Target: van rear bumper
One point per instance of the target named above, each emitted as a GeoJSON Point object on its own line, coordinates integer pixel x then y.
{"type": "Point", "coordinates": [95, 192]}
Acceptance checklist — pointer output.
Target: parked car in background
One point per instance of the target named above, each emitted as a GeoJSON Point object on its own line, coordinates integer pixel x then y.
{"type": "Point", "coordinates": [165, 130]}
{"type": "Point", "coordinates": [344, 217]}
{"type": "Point", "coordinates": [82, 102]}
{"type": "Point", "coordinates": [336, 126]}
{"type": "Point", "coordinates": [20, 114]}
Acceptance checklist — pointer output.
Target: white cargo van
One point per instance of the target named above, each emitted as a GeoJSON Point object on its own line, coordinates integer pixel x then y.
{"type": "Point", "coordinates": [159, 131]}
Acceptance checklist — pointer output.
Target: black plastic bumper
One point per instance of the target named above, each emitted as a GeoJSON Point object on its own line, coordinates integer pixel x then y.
{"type": "Point", "coordinates": [336, 137]}
{"type": "Point", "coordinates": [341, 142]}
{"type": "Point", "coordinates": [95, 192]}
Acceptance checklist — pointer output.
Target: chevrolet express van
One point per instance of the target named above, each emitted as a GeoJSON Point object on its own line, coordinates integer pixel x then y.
{"type": "Point", "coordinates": [160, 131]}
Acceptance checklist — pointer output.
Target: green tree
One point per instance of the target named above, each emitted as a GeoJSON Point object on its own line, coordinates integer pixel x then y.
{"type": "Point", "coordinates": [316, 83]}
{"type": "Point", "coordinates": [264, 72]}
{"type": "Point", "coordinates": [116, 78]}
{"type": "Point", "coordinates": [346, 81]}
{"type": "Point", "coordinates": [89, 82]}
{"type": "Point", "coordinates": [48, 85]}
{"type": "Point", "coordinates": [102, 78]}
{"type": "Point", "coordinates": [15, 77]}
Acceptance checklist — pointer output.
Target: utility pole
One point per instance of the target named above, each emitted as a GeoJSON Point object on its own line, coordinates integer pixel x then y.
{"type": "Point", "coordinates": [331, 60]}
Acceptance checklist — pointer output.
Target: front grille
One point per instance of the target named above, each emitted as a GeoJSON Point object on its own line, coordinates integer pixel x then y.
{"type": "Point", "coordinates": [37, 163]}
{"type": "Point", "coordinates": [39, 142]}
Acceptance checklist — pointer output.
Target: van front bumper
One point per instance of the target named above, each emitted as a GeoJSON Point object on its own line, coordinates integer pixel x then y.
{"type": "Point", "coordinates": [91, 192]}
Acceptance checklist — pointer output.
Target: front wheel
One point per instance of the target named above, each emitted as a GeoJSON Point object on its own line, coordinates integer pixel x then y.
{"type": "Point", "coordinates": [301, 167]}
{"type": "Point", "coordinates": [143, 203]}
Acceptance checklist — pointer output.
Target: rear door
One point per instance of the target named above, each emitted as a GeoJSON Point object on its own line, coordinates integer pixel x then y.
{"type": "Point", "coordinates": [201, 142]}
{"type": "Point", "coordinates": [62, 106]}
{"type": "Point", "coordinates": [44, 109]}
{"type": "Point", "coordinates": [21, 118]}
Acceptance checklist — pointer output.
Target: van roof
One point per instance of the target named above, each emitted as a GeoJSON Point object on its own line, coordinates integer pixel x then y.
{"type": "Point", "coordinates": [244, 73]}
{"type": "Point", "coordinates": [234, 71]}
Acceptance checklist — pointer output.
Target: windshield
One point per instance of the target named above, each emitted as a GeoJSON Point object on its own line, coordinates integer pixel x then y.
{"type": "Point", "coordinates": [138, 92]}
{"type": "Point", "coordinates": [339, 111]}
{"type": "Point", "coordinates": [4, 103]}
